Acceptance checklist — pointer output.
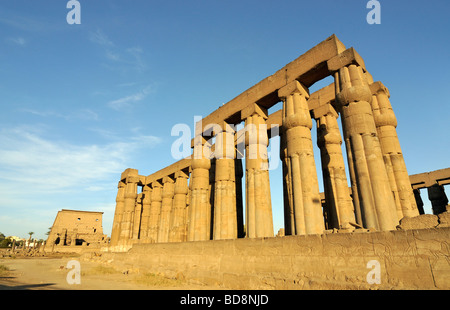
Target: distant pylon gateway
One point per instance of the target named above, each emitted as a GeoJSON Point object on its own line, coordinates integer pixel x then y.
{"type": "Point", "coordinates": [200, 197]}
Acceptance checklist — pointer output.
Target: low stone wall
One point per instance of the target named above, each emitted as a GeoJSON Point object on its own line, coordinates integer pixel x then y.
{"type": "Point", "coordinates": [408, 259]}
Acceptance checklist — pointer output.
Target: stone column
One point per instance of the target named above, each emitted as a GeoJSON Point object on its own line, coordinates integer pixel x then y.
{"type": "Point", "coordinates": [258, 201]}
{"type": "Point", "coordinates": [166, 209]}
{"type": "Point", "coordinates": [118, 214]}
{"type": "Point", "coordinates": [200, 205]}
{"type": "Point", "coordinates": [386, 123]}
{"type": "Point", "coordinates": [146, 203]}
{"type": "Point", "coordinates": [337, 195]}
{"type": "Point", "coordinates": [438, 198]}
{"type": "Point", "coordinates": [419, 201]}
{"type": "Point", "coordinates": [365, 157]}
{"type": "Point", "coordinates": [289, 222]}
{"type": "Point", "coordinates": [225, 212]}
{"type": "Point", "coordinates": [177, 231]}
{"type": "Point", "coordinates": [131, 182]}
{"type": "Point", "coordinates": [302, 174]}
{"type": "Point", "coordinates": [137, 217]}
{"type": "Point", "coordinates": [155, 211]}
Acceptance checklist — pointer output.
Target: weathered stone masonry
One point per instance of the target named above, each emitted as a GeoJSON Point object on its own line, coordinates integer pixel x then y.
{"type": "Point", "coordinates": [199, 198]}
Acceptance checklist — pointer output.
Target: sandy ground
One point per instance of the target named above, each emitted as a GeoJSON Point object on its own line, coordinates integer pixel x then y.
{"type": "Point", "coordinates": [51, 274]}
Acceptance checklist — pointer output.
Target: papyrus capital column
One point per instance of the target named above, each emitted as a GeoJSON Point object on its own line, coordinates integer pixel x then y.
{"type": "Point", "coordinates": [155, 211]}
{"type": "Point", "coordinates": [365, 157]}
{"type": "Point", "coordinates": [258, 201]}
{"type": "Point", "coordinates": [118, 214]}
{"type": "Point", "coordinates": [304, 187]}
{"type": "Point", "coordinates": [200, 206]}
{"type": "Point", "coordinates": [225, 212]}
{"type": "Point", "coordinates": [166, 208]}
{"type": "Point", "coordinates": [338, 201]}
{"type": "Point", "coordinates": [130, 196]}
{"type": "Point", "coordinates": [177, 231]}
{"type": "Point", "coordinates": [386, 124]}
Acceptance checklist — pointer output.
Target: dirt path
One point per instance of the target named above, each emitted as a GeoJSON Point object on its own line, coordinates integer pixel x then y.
{"type": "Point", "coordinates": [51, 274]}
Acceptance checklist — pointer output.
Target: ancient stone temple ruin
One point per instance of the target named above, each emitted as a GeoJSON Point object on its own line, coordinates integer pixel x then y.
{"type": "Point", "coordinates": [208, 218]}
{"type": "Point", "coordinates": [200, 197]}
{"type": "Point", "coordinates": [74, 230]}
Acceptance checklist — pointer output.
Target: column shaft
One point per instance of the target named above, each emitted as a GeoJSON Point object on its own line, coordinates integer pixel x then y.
{"type": "Point", "coordinates": [225, 212]}
{"type": "Point", "coordinates": [200, 205]}
{"type": "Point", "coordinates": [177, 231]}
{"type": "Point", "coordinates": [118, 214]}
{"type": "Point", "coordinates": [258, 201]}
{"type": "Point", "coordinates": [304, 186]}
{"type": "Point", "coordinates": [386, 124]}
{"type": "Point", "coordinates": [166, 209]}
{"type": "Point", "coordinates": [378, 209]}
{"type": "Point", "coordinates": [155, 211]}
{"type": "Point", "coordinates": [337, 196]}
{"type": "Point", "coordinates": [129, 206]}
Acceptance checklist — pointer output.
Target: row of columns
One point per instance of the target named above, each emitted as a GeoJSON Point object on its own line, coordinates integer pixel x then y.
{"type": "Point", "coordinates": [210, 206]}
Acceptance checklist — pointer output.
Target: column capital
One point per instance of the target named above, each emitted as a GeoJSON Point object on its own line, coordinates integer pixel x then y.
{"type": "Point", "coordinates": [181, 174]}
{"type": "Point", "coordinates": [253, 109]}
{"type": "Point", "coordinates": [167, 179]}
{"type": "Point", "coordinates": [156, 184]}
{"type": "Point", "coordinates": [378, 87]}
{"type": "Point", "coordinates": [291, 88]}
{"type": "Point", "coordinates": [344, 59]}
{"type": "Point", "coordinates": [129, 172]}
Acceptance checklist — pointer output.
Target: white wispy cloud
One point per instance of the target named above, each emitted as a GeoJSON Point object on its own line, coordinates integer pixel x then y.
{"type": "Point", "coordinates": [29, 160]}
{"type": "Point", "coordinates": [119, 58]}
{"type": "Point", "coordinates": [82, 114]}
{"type": "Point", "coordinates": [126, 101]}
{"type": "Point", "coordinates": [17, 41]}
{"type": "Point", "coordinates": [100, 38]}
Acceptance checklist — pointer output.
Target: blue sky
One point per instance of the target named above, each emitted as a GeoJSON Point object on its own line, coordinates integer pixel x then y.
{"type": "Point", "coordinates": [81, 103]}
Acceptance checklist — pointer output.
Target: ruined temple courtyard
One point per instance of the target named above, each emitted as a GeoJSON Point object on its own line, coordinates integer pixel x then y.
{"type": "Point", "coordinates": [206, 221]}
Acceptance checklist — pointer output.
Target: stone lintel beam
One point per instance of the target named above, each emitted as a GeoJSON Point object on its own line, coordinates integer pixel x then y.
{"type": "Point", "coordinates": [323, 96]}
{"type": "Point", "coordinates": [346, 58]}
{"type": "Point", "coordinates": [182, 164]}
{"type": "Point", "coordinates": [428, 179]}
{"type": "Point", "coordinates": [307, 69]}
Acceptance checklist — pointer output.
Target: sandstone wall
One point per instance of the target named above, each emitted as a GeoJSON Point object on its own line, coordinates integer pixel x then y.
{"type": "Point", "coordinates": [409, 259]}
